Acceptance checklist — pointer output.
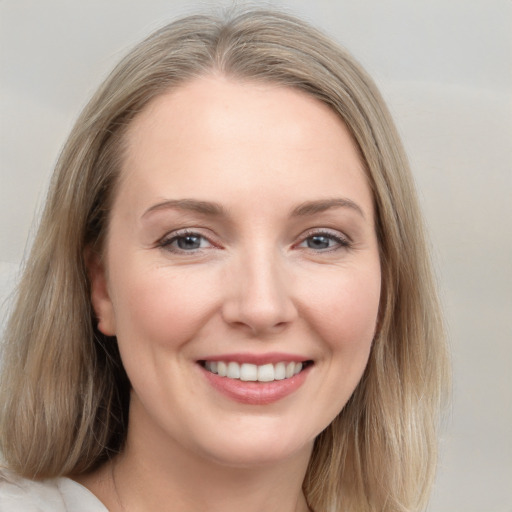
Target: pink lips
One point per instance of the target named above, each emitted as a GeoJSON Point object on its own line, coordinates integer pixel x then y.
{"type": "Point", "coordinates": [256, 393]}
{"type": "Point", "coordinates": [259, 359]}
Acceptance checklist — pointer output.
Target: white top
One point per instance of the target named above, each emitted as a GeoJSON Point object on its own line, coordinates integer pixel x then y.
{"type": "Point", "coordinates": [53, 495]}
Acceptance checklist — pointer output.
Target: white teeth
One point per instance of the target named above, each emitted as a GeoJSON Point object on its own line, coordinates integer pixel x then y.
{"type": "Point", "coordinates": [266, 373]}
{"type": "Point", "coordinates": [248, 372]}
{"type": "Point", "coordinates": [233, 371]}
{"type": "Point", "coordinates": [252, 373]}
{"type": "Point", "coordinates": [222, 369]}
{"type": "Point", "coordinates": [280, 371]}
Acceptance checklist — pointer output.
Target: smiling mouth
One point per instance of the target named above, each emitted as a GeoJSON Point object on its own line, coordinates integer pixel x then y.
{"type": "Point", "coordinates": [248, 372]}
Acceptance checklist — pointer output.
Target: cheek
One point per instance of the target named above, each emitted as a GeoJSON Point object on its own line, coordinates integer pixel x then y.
{"type": "Point", "coordinates": [163, 307]}
{"type": "Point", "coordinates": [342, 311]}
{"type": "Point", "coordinates": [345, 308]}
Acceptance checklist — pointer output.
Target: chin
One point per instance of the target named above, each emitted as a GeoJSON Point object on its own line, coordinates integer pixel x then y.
{"type": "Point", "coordinates": [254, 457]}
{"type": "Point", "coordinates": [256, 449]}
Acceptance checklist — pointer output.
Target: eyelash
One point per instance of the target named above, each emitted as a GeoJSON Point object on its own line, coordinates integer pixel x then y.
{"type": "Point", "coordinates": [167, 242]}
{"type": "Point", "coordinates": [341, 241]}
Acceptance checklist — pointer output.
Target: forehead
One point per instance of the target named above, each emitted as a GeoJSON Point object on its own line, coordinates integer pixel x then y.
{"type": "Point", "coordinates": [215, 131]}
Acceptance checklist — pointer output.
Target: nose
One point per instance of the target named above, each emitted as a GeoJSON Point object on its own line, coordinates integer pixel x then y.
{"type": "Point", "coordinates": [258, 297]}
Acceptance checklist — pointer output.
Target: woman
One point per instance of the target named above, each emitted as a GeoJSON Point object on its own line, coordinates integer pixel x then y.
{"type": "Point", "coordinates": [229, 303]}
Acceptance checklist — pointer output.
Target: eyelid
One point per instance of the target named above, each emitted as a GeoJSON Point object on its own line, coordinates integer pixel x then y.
{"type": "Point", "coordinates": [343, 240]}
{"type": "Point", "coordinates": [166, 241]}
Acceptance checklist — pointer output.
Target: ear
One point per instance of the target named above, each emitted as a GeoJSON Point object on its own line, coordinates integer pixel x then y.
{"type": "Point", "coordinates": [100, 297]}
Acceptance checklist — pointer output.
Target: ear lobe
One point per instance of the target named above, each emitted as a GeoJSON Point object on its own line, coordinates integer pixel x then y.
{"type": "Point", "coordinates": [100, 297]}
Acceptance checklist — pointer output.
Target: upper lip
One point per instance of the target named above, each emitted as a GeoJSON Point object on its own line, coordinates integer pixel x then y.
{"type": "Point", "coordinates": [257, 359]}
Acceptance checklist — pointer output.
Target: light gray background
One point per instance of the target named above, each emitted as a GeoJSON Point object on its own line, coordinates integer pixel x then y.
{"type": "Point", "coordinates": [445, 68]}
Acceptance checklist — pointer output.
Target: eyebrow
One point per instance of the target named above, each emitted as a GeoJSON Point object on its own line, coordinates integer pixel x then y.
{"type": "Point", "coordinates": [204, 207]}
{"type": "Point", "coordinates": [322, 205]}
{"type": "Point", "coordinates": [215, 209]}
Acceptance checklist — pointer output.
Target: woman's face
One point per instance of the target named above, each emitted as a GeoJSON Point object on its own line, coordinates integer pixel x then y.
{"type": "Point", "coordinates": [241, 240]}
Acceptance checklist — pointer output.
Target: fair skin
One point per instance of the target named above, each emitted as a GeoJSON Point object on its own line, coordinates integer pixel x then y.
{"type": "Point", "coordinates": [242, 231]}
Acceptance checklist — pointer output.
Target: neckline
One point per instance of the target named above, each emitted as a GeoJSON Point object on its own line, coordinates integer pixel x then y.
{"type": "Point", "coordinates": [77, 497]}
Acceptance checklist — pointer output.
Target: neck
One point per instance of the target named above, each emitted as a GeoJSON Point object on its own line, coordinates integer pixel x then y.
{"type": "Point", "coordinates": [157, 473]}
{"type": "Point", "coordinates": [188, 483]}
{"type": "Point", "coordinates": [193, 486]}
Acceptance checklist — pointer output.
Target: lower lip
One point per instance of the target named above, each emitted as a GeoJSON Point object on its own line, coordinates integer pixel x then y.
{"type": "Point", "coordinates": [256, 393]}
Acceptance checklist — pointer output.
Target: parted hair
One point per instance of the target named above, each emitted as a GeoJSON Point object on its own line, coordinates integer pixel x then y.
{"type": "Point", "coordinates": [64, 393]}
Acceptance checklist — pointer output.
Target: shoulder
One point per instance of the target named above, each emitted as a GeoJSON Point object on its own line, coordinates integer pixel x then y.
{"type": "Point", "coordinates": [18, 493]}
{"type": "Point", "coordinates": [52, 495]}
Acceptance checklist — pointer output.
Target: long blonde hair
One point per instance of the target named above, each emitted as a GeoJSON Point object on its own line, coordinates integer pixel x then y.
{"type": "Point", "coordinates": [64, 392]}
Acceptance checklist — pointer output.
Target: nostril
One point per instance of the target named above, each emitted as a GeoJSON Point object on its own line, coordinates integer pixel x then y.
{"type": "Point", "coordinates": [260, 300]}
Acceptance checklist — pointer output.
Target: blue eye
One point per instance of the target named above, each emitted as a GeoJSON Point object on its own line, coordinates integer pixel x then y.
{"type": "Point", "coordinates": [324, 242]}
{"type": "Point", "coordinates": [319, 242]}
{"type": "Point", "coordinates": [186, 242]}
